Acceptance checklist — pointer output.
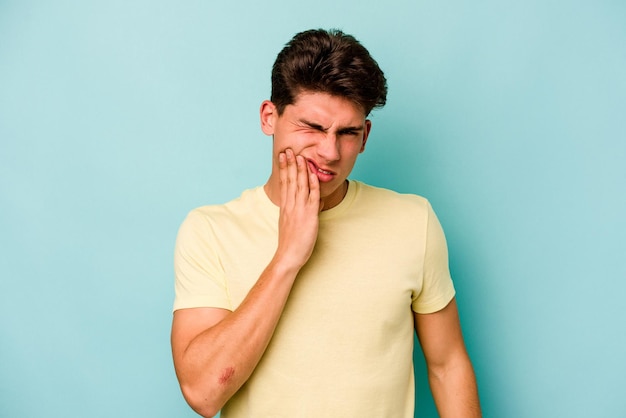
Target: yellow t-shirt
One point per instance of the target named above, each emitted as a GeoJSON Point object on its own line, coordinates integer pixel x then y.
{"type": "Point", "coordinates": [344, 344]}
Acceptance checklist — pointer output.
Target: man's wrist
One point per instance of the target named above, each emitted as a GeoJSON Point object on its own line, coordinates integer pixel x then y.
{"type": "Point", "coordinates": [284, 267]}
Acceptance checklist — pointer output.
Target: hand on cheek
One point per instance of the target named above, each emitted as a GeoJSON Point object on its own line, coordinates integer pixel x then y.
{"type": "Point", "coordinates": [299, 209]}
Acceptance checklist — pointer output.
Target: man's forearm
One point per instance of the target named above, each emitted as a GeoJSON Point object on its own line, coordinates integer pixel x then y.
{"type": "Point", "coordinates": [455, 391]}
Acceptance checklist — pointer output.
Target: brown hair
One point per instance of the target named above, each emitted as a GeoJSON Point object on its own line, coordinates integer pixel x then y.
{"type": "Point", "coordinates": [329, 62]}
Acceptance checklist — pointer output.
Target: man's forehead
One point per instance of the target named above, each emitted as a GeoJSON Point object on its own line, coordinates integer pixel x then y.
{"type": "Point", "coordinates": [323, 108]}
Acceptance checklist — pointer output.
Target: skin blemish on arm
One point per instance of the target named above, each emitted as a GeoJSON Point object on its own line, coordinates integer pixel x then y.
{"type": "Point", "coordinates": [227, 374]}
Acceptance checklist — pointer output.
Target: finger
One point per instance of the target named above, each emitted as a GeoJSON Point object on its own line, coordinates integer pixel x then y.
{"type": "Point", "coordinates": [292, 174]}
{"type": "Point", "coordinates": [314, 189]}
{"type": "Point", "coordinates": [282, 173]}
{"type": "Point", "coordinates": [302, 179]}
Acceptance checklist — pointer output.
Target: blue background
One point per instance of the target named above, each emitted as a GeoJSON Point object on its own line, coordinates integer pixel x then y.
{"type": "Point", "coordinates": [118, 117]}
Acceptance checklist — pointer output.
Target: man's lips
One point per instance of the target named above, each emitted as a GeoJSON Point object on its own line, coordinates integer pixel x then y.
{"type": "Point", "coordinates": [316, 168]}
{"type": "Point", "coordinates": [323, 175]}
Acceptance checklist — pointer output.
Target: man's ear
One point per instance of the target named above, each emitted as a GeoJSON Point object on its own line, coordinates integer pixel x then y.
{"type": "Point", "coordinates": [268, 114]}
{"type": "Point", "coordinates": [366, 133]}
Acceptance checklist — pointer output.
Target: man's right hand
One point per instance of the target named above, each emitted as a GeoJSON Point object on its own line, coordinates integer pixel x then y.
{"type": "Point", "coordinates": [299, 210]}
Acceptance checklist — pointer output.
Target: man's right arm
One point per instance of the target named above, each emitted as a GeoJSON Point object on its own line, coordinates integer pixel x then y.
{"type": "Point", "coordinates": [215, 350]}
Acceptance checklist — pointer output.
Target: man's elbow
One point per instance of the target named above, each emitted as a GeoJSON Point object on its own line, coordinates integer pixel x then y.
{"type": "Point", "coordinates": [459, 364]}
{"type": "Point", "coordinates": [202, 401]}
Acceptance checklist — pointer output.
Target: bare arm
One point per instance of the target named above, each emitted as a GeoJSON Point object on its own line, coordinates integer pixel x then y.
{"type": "Point", "coordinates": [215, 351]}
{"type": "Point", "coordinates": [450, 371]}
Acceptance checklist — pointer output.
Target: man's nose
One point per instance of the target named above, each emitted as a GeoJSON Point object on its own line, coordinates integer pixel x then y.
{"type": "Point", "coordinates": [328, 148]}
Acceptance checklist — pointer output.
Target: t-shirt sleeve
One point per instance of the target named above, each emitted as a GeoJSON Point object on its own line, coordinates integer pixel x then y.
{"type": "Point", "coordinates": [199, 276]}
{"type": "Point", "coordinates": [437, 287]}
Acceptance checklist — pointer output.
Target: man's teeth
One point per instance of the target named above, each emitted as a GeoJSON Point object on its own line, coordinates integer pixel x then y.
{"type": "Point", "coordinates": [324, 171]}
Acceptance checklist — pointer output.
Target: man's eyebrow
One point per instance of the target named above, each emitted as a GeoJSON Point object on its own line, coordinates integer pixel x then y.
{"type": "Point", "coordinates": [351, 128]}
{"type": "Point", "coordinates": [319, 127]}
{"type": "Point", "coordinates": [312, 125]}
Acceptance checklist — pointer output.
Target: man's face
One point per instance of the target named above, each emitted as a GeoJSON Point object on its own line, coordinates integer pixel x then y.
{"type": "Point", "coordinates": [328, 131]}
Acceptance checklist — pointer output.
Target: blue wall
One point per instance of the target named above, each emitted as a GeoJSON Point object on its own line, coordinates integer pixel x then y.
{"type": "Point", "coordinates": [117, 117]}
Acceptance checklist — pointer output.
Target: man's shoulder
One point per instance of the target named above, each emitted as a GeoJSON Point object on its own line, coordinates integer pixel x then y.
{"type": "Point", "coordinates": [244, 205]}
{"type": "Point", "coordinates": [247, 198]}
{"type": "Point", "coordinates": [403, 216]}
{"type": "Point", "coordinates": [391, 199]}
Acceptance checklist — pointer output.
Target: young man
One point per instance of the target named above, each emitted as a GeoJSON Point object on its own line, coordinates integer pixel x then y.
{"type": "Point", "coordinates": [301, 297]}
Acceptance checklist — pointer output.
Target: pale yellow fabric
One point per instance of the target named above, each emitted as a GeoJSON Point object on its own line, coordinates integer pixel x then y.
{"type": "Point", "coordinates": [343, 347]}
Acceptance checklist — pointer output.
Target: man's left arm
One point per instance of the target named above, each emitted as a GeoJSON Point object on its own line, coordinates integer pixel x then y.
{"type": "Point", "coordinates": [450, 373]}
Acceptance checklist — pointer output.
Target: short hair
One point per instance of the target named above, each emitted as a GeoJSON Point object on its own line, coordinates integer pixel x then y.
{"type": "Point", "coordinates": [327, 61]}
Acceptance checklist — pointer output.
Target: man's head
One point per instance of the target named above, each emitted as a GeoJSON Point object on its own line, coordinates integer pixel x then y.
{"type": "Point", "coordinates": [319, 61]}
